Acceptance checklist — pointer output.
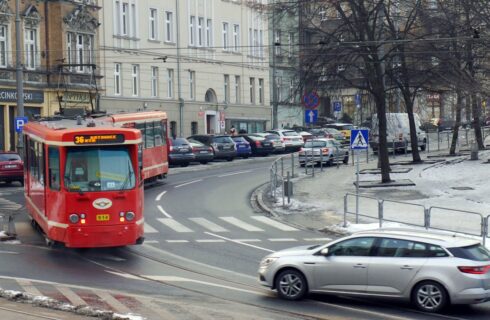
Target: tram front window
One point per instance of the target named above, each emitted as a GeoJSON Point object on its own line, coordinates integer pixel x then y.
{"type": "Point", "coordinates": [98, 169]}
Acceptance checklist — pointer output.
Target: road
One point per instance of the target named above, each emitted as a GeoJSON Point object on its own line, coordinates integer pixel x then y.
{"type": "Point", "coordinates": [204, 242]}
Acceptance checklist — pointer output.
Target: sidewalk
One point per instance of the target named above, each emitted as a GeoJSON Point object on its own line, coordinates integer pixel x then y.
{"type": "Point", "coordinates": [452, 182]}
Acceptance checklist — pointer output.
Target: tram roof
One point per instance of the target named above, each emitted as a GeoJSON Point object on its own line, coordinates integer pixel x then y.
{"type": "Point", "coordinates": [138, 116]}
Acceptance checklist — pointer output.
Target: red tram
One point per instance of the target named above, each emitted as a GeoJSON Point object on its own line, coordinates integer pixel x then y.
{"type": "Point", "coordinates": [153, 127]}
{"type": "Point", "coordinates": [83, 182]}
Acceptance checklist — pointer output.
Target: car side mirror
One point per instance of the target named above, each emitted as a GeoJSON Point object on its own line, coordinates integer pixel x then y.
{"type": "Point", "coordinates": [324, 252]}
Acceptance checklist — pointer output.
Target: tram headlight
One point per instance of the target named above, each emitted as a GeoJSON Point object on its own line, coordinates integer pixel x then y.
{"type": "Point", "coordinates": [130, 216]}
{"type": "Point", "coordinates": [74, 218]}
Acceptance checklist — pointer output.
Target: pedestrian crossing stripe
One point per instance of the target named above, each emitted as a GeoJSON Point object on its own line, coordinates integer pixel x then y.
{"type": "Point", "coordinates": [359, 139]}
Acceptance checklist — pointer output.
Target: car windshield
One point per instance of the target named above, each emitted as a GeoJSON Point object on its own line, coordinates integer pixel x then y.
{"type": "Point", "coordinates": [195, 143]}
{"type": "Point", "coordinates": [9, 157]}
{"type": "Point", "coordinates": [272, 137]}
{"type": "Point", "coordinates": [290, 133]}
{"type": "Point", "coordinates": [222, 140]}
{"type": "Point", "coordinates": [475, 252]}
{"type": "Point", "coordinates": [239, 139]}
{"type": "Point", "coordinates": [98, 169]}
{"type": "Point", "coordinates": [315, 144]}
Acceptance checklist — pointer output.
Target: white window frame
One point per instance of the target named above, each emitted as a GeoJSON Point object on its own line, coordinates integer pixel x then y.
{"type": "Point", "coordinates": [227, 87]}
{"type": "Point", "coordinates": [135, 80]}
{"type": "Point", "coordinates": [192, 85]}
{"type": "Point", "coordinates": [117, 79]}
{"type": "Point", "coordinates": [277, 39]}
{"type": "Point", "coordinates": [69, 52]}
{"type": "Point", "coordinates": [170, 83]}
{"type": "Point", "coordinates": [279, 88]}
{"type": "Point", "coordinates": [169, 26]}
{"type": "Point", "coordinates": [225, 36]}
{"type": "Point", "coordinates": [4, 46]}
{"type": "Point", "coordinates": [80, 50]}
{"type": "Point", "coordinates": [31, 48]}
{"type": "Point", "coordinates": [154, 82]}
{"type": "Point", "coordinates": [117, 20]}
{"type": "Point", "coordinates": [236, 37]}
{"type": "Point", "coordinates": [200, 31]}
{"type": "Point", "coordinates": [209, 33]}
{"type": "Point", "coordinates": [133, 21]}
{"type": "Point", "coordinates": [291, 91]}
{"type": "Point", "coordinates": [261, 43]}
{"type": "Point", "coordinates": [261, 91]}
{"type": "Point", "coordinates": [153, 24]}
{"type": "Point", "coordinates": [192, 30]}
{"type": "Point", "coordinates": [256, 42]}
{"type": "Point", "coordinates": [124, 19]}
{"type": "Point", "coordinates": [237, 89]}
{"type": "Point", "coordinates": [252, 90]}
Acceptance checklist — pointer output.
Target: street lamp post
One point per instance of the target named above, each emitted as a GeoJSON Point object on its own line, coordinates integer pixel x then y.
{"type": "Point", "coordinates": [19, 73]}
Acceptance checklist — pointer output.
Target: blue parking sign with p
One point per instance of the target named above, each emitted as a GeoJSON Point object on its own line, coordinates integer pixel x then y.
{"type": "Point", "coordinates": [19, 123]}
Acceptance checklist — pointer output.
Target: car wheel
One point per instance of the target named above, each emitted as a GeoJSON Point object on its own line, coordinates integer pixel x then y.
{"type": "Point", "coordinates": [291, 285]}
{"type": "Point", "coordinates": [203, 162]}
{"type": "Point", "coordinates": [185, 164]}
{"type": "Point", "coordinates": [230, 159]}
{"type": "Point", "coordinates": [429, 296]}
{"type": "Point", "coordinates": [346, 160]}
{"type": "Point", "coordinates": [330, 161]}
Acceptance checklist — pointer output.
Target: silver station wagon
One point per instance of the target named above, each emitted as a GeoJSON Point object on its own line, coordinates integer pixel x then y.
{"type": "Point", "coordinates": [429, 269]}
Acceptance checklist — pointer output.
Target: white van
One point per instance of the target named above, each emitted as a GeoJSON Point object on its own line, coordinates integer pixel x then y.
{"type": "Point", "coordinates": [398, 132]}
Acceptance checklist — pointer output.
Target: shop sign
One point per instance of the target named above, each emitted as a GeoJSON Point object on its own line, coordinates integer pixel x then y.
{"type": "Point", "coordinates": [10, 95]}
{"type": "Point", "coordinates": [76, 97]}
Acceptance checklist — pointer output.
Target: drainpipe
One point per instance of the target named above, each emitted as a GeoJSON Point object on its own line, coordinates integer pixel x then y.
{"type": "Point", "coordinates": [179, 84]}
{"type": "Point", "coordinates": [19, 73]}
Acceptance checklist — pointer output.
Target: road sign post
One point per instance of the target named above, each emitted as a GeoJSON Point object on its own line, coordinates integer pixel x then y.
{"type": "Point", "coordinates": [359, 140]}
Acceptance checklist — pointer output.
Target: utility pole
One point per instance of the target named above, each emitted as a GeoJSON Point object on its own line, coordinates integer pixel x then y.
{"type": "Point", "coordinates": [179, 81]}
{"type": "Point", "coordinates": [19, 73]}
{"type": "Point", "coordinates": [274, 85]}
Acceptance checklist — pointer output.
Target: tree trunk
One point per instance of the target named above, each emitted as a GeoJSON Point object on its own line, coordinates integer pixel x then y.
{"type": "Point", "coordinates": [383, 156]}
{"type": "Point", "coordinates": [413, 129]}
{"type": "Point", "coordinates": [457, 124]}
{"type": "Point", "coordinates": [476, 121]}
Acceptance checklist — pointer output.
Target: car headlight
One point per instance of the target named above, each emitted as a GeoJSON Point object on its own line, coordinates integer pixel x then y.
{"type": "Point", "coordinates": [267, 261]}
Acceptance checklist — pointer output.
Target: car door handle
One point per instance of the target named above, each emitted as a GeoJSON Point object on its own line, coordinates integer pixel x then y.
{"type": "Point", "coordinates": [360, 266]}
{"type": "Point", "coordinates": [406, 268]}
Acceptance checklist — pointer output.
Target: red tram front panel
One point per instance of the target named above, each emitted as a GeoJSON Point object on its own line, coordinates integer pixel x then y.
{"type": "Point", "coordinates": [83, 186]}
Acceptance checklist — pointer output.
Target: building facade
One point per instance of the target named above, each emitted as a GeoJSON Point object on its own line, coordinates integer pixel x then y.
{"type": "Point", "coordinates": [204, 62]}
{"type": "Point", "coordinates": [58, 51]}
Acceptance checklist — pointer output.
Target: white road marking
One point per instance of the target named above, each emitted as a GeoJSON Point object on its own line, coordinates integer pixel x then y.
{"type": "Point", "coordinates": [240, 224]}
{"type": "Point", "coordinates": [239, 242]}
{"type": "Point", "coordinates": [125, 275]}
{"type": "Point", "coordinates": [210, 240]}
{"type": "Point", "coordinates": [74, 298]}
{"type": "Point", "coordinates": [317, 239]}
{"type": "Point", "coordinates": [113, 302]}
{"type": "Point", "coordinates": [180, 279]}
{"type": "Point", "coordinates": [160, 196]}
{"type": "Point", "coordinates": [28, 287]}
{"type": "Point", "coordinates": [211, 226]}
{"type": "Point", "coordinates": [247, 240]}
{"type": "Point", "coordinates": [151, 241]}
{"type": "Point", "coordinates": [164, 212]}
{"type": "Point", "coordinates": [187, 183]}
{"type": "Point", "coordinates": [283, 240]}
{"type": "Point", "coordinates": [378, 314]}
{"type": "Point", "coordinates": [234, 173]}
{"type": "Point", "coordinates": [174, 225]}
{"type": "Point", "coordinates": [149, 229]}
{"type": "Point", "coordinates": [9, 252]}
{"type": "Point", "coordinates": [177, 241]}
{"type": "Point", "coordinates": [274, 223]}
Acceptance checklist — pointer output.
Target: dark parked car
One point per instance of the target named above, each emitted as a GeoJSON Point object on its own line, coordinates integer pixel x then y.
{"type": "Point", "coordinates": [202, 152]}
{"type": "Point", "coordinates": [223, 146]}
{"type": "Point", "coordinates": [260, 145]}
{"type": "Point", "coordinates": [180, 152]}
{"type": "Point", "coordinates": [277, 143]}
{"type": "Point", "coordinates": [11, 167]}
{"type": "Point", "coordinates": [243, 148]}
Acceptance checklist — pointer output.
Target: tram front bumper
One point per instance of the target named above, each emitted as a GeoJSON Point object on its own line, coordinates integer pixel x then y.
{"type": "Point", "coordinates": [103, 236]}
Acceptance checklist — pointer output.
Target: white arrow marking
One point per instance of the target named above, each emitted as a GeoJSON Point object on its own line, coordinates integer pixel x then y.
{"type": "Point", "coordinates": [311, 115]}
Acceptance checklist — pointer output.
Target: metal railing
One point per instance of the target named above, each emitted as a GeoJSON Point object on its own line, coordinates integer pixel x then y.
{"type": "Point", "coordinates": [441, 140]}
{"type": "Point", "coordinates": [417, 215]}
{"type": "Point", "coordinates": [282, 171]}
{"type": "Point", "coordinates": [7, 223]}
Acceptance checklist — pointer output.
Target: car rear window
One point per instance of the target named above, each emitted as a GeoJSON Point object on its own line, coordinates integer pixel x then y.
{"type": "Point", "coordinates": [476, 252]}
{"type": "Point", "coordinates": [239, 139]}
{"type": "Point", "coordinates": [290, 133]}
{"type": "Point", "coordinates": [222, 140]}
{"type": "Point", "coordinates": [195, 143]}
{"type": "Point", "coordinates": [179, 142]}
{"type": "Point", "coordinates": [315, 144]}
{"type": "Point", "coordinates": [272, 137]}
{"type": "Point", "coordinates": [9, 157]}
{"type": "Point", "coordinates": [256, 138]}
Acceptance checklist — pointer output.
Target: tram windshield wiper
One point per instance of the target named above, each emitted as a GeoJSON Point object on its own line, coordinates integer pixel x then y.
{"type": "Point", "coordinates": [128, 177]}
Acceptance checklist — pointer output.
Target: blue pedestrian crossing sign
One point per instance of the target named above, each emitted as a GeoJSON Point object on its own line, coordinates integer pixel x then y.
{"type": "Point", "coordinates": [311, 116]}
{"type": "Point", "coordinates": [359, 139]}
{"type": "Point", "coordinates": [19, 122]}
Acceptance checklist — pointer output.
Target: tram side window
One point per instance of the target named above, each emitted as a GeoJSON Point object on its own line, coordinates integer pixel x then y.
{"type": "Point", "coordinates": [165, 131]}
{"type": "Point", "coordinates": [54, 168]}
{"type": "Point", "coordinates": [41, 165]}
{"type": "Point", "coordinates": [158, 131]}
{"type": "Point", "coordinates": [36, 160]}
{"type": "Point", "coordinates": [150, 135]}
{"type": "Point", "coordinates": [32, 159]}
{"type": "Point", "coordinates": [141, 127]}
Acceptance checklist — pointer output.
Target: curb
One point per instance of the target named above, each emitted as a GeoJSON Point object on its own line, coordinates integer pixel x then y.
{"type": "Point", "coordinates": [258, 198]}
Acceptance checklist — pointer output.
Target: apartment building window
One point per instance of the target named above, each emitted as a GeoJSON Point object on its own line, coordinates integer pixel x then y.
{"type": "Point", "coordinates": [291, 90]}
{"type": "Point", "coordinates": [117, 79]}
{"type": "Point", "coordinates": [290, 44]}
{"type": "Point", "coordinates": [170, 83]}
{"type": "Point", "coordinates": [225, 35]}
{"type": "Point", "coordinates": [200, 32]}
{"type": "Point", "coordinates": [154, 82]}
{"type": "Point", "coordinates": [124, 19]}
{"type": "Point", "coordinates": [135, 79]}
{"type": "Point", "coordinates": [256, 42]}
{"type": "Point", "coordinates": [252, 90]}
{"type": "Point", "coordinates": [251, 42]}
{"type": "Point", "coordinates": [69, 48]}
{"type": "Point", "coordinates": [192, 85]}
{"type": "Point", "coordinates": [117, 18]}
{"type": "Point", "coordinates": [277, 42]}
{"type": "Point", "coordinates": [192, 30]}
{"type": "Point", "coordinates": [279, 88]}
{"type": "Point", "coordinates": [194, 127]}
{"type": "Point", "coordinates": [31, 48]}
{"type": "Point", "coordinates": [236, 37]}
{"type": "Point", "coordinates": [209, 33]}
{"type": "Point", "coordinates": [261, 91]}
{"type": "Point", "coordinates": [80, 51]}
{"type": "Point", "coordinates": [237, 89]}
{"type": "Point", "coordinates": [153, 24]}
{"type": "Point", "coordinates": [3, 46]}
{"type": "Point", "coordinates": [261, 43]}
{"type": "Point", "coordinates": [134, 26]}
{"type": "Point", "coordinates": [169, 29]}
{"type": "Point", "coordinates": [227, 87]}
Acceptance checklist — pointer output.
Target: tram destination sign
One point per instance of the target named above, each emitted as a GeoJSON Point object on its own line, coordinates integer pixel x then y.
{"type": "Point", "coordinates": [85, 139]}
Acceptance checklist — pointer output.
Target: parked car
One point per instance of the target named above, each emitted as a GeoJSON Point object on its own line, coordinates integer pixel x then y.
{"type": "Point", "coordinates": [223, 145]}
{"type": "Point", "coordinates": [180, 152]}
{"type": "Point", "coordinates": [292, 140]}
{"type": "Point", "coordinates": [277, 143]}
{"type": "Point", "coordinates": [260, 145]}
{"type": "Point", "coordinates": [203, 153]}
{"type": "Point", "coordinates": [330, 133]}
{"type": "Point", "coordinates": [243, 148]}
{"type": "Point", "coordinates": [328, 151]}
{"type": "Point", "coordinates": [345, 128]}
{"type": "Point", "coordinates": [306, 135]}
{"type": "Point", "coordinates": [11, 167]}
{"type": "Point", "coordinates": [430, 269]}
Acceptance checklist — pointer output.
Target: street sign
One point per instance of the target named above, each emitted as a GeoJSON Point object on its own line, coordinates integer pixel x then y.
{"type": "Point", "coordinates": [337, 106]}
{"type": "Point", "coordinates": [311, 100]}
{"type": "Point", "coordinates": [357, 98]}
{"type": "Point", "coordinates": [311, 116]}
{"type": "Point", "coordinates": [222, 124]}
{"type": "Point", "coordinates": [359, 139]}
{"type": "Point", "coordinates": [19, 122]}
